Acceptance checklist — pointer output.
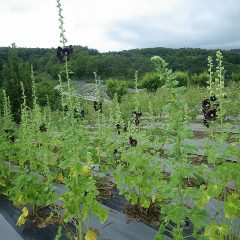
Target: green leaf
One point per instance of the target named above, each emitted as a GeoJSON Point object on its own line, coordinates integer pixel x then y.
{"type": "Point", "coordinates": [232, 206]}
{"type": "Point", "coordinates": [198, 217]}
{"type": "Point", "coordinates": [176, 213]}
{"type": "Point", "coordinates": [214, 189]}
{"type": "Point", "coordinates": [144, 202]}
{"type": "Point", "coordinates": [202, 200]}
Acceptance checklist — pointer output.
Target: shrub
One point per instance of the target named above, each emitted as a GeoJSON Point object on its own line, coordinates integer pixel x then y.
{"type": "Point", "coordinates": [116, 86]}
{"type": "Point", "coordinates": [182, 78]}
{"type": "Point", "coordinates": [199, 79]}
{"type": "Point", "coordinates": [152, 81]}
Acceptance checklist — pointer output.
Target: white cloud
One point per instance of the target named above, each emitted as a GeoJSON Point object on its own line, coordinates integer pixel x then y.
{"type": "Point", "coordinates": [115, 25]}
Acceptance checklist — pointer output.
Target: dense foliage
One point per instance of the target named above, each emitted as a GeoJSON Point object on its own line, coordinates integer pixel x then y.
{"type": "Point", "coordinates": [123, 64]}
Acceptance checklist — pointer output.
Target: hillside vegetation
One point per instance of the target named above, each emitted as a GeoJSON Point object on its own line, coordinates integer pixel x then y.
{"type": "Point", "coordinates": [123, 64]}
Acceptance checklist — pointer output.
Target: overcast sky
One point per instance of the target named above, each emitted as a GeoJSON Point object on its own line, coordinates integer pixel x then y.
{"type": "Point", "coordinates": [112, 25]}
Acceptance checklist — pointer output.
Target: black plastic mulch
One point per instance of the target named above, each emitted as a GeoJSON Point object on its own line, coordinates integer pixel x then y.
{"type": "Point", "coordinates": [28, 231]}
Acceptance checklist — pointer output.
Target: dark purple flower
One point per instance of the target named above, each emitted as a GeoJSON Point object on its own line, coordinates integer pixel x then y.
{"type": "Point", "coordinates": [60, 55]}
{"type": "Point", "coordinates": [42, 127]}
{"type": "Point", "coordinates": [213, 98]}
{"type": "Point", "coordinates": [66, 52]}
{"type": "Point", "coordinates": [70, 49]}
{"type": "Point", "coordinates": [132, 142]}
{"type": "Point", "coordinates": [118, 126]}
{"type": "Point", "coordinates": [97, 106]}
{"type": "Point", "coordinates": [211, 115]}
{"type": "Point", "coordinates": [65, 108]}
{"type": "Point", "coordinates": [82, 113]}
{"type": "Point", "coordinates": [206, 104]}
{"type": "Point", "coordinates": [136, 121]}
{"type": "Point", "coordinates": [136, 114]}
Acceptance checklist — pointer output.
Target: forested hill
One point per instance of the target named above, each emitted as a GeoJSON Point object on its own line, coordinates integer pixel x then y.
{"type": "Point", "coordinates": [121, 64]}
{"type": "Point", "coordinates": [193, 60]}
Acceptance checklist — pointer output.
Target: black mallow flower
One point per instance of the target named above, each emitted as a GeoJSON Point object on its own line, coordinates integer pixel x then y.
{"type": "Point", "coordinates": [66, 52]}
{"type": "Point", "coordinates": [65, 108]}
{"type": "Point", "coordinates": [60, 55]}
{"type": "Point", "coordinates": [42, 127]}
{"type": "Point", "coordinates": [82, 113]}
{"type": "Point", "coordinates": [206, 104]}
{"type": "Point", "coordinates": [136, 114]}
{"type": "Point", "coordinates": [211, 115]}
{"type": "Point", "coordinates": [70, 49]}
{"type": "Point", "coordinates": [213, 98]}
{"type": "Point", "coordinates": [137, 122]}
{"type": "Point", "coordinates": [132, 142]}
{"type": "Point", "coordinates": [118, 126]}
{"type": "Point", "coordinates": [97, 106]}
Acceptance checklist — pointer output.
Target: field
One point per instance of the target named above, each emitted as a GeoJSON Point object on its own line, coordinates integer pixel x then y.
{"type": "Point", "coordinates": [158, 161]}
{"type": "Point", "coordinates": [153, 166]}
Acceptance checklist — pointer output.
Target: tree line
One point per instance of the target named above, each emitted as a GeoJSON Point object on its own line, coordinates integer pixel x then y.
{"type": "Point", "coordinates": [84, 61]}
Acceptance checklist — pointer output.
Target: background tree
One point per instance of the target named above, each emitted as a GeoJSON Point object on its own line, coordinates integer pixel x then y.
{"type": "Point", "coordinates": [14, 72]}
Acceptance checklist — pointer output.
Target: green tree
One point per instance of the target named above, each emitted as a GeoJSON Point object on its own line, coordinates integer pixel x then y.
{"type": "Point", "coordinates": [14, 72]}
{"type": "Point", "coordinates": [46, 92]}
